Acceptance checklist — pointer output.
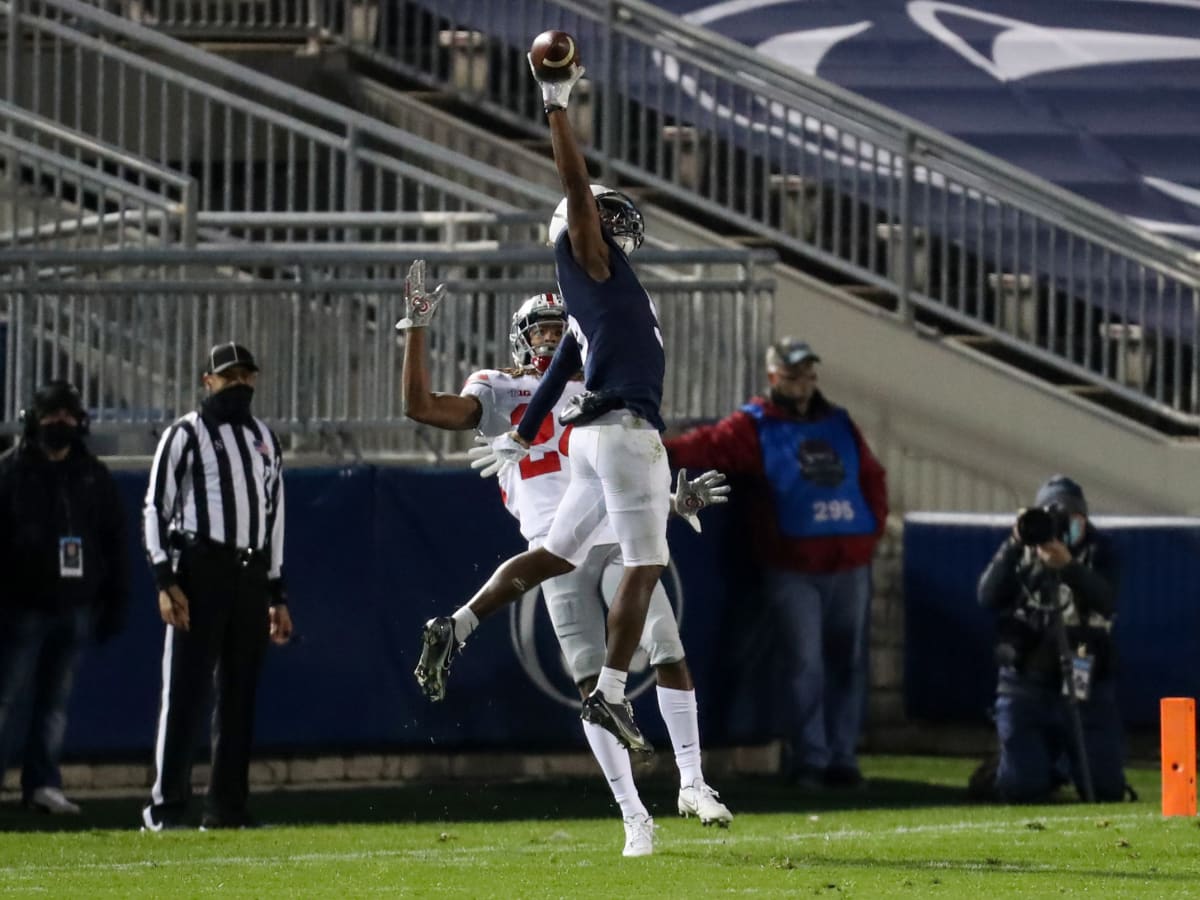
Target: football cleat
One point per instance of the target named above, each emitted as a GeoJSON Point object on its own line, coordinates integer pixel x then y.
{"type": "Point", "coordinates": [639, 836]}
{"type": "Point", "coordinates": [616, 718]}
{"type": "Point", "coordinates": [698, 799]}
{"type": "Point", "coordinates": [438, 644]}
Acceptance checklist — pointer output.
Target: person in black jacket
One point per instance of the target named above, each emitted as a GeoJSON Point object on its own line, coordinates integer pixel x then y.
{"type": "Point", "coordinates": [1055, 596]}
{"type": "Point", "coordinates": [66, 577]}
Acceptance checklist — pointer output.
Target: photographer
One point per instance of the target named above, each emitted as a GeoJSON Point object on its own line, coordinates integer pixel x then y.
{"type": "Point", "coordinates": [1054, 585]}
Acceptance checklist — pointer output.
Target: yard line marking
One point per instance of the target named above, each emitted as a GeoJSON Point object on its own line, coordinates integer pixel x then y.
{"type": "Point", "coordinates": [439, 854]}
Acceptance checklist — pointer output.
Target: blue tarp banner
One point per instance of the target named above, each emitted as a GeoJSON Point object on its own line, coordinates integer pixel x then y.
{"type": "Point", "coordinates": [371, 553]}
{"type": "Point", "coordinates": [949, 673]}
{"type": "Point", "coordinates": [1103, 101]}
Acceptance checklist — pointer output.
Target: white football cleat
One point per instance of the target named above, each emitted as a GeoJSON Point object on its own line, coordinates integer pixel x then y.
{"type": "Point", "coordinates": [639, 836]}
{"type": "Point", "coordinates": [51, 800]}
{"type": "Point", "coordinates": [698, 799]}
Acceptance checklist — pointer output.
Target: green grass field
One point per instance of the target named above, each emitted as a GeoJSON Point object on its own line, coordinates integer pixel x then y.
{"type": "Point", "coordinates": [908, 834]}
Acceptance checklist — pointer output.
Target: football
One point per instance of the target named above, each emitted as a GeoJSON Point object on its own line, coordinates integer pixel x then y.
{"type": "Point", "coordinates": [552, 54]}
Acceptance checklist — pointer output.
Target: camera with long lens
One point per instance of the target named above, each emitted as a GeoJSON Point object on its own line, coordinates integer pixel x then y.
{"type": "Point", "coordinates": [1042, 524]}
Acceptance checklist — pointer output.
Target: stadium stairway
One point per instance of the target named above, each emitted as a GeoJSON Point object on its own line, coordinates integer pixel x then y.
{"type": "Point", "coordinates": [957, 427]}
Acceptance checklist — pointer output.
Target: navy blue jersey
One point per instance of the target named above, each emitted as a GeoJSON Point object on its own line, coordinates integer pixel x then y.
{"type": "Point", "coordinates": [612, 334]}
{"type": "Point", "coordinates": [616, 326]}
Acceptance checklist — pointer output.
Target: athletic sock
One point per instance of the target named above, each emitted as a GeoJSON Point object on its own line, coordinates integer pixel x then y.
{"type": "Point", "coordinates": [614, 763]}
{"type": "Point", "coordinates": [678, 710]}
{"type": "Point", "coordinates": [465, 622]}
{"type": "Point", "coordinates": [611, 684]}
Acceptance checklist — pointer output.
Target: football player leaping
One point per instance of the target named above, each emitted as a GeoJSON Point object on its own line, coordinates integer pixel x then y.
{"type": "Point", "coordinates": [492, 401]}
{"type": "Point", "coordinates": [619, 471]}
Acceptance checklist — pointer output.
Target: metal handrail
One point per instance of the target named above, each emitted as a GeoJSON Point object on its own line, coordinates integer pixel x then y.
{"type": "Point", "coordinates": [154, 206]}
{"type": "Point", "coordinates": [101, 149]}
{"type": "Point", "coordinates": [350, 127]}
{"type": "Point", "coordinates": [759, 71]}
{"type": "Point", "coordinates": [129, 327]}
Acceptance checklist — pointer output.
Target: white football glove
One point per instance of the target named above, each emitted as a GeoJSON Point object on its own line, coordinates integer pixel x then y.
{"type": "Point", "coordinates": [690, 497]}
{"type": "Point", "coordinates": [556, 93]}
{"type": "Point", "coordinates": [419, 306]}
{"type": "Point", "coordinates": [493, 454]}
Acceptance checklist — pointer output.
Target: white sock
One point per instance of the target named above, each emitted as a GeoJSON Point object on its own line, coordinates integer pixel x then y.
{"type": "Point", "coordinates": [614, 763]}
{"type": "Point", "coordinates": [465, 622]}
{"type": "Point", "coordinates": [611, 684]}
{"type": "Point", "coordinates": [678, 710]}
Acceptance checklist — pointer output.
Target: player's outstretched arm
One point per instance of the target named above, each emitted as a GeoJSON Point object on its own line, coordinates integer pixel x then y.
{"type": "Point", "coordinates": [421, 404]}
{"type": "Point", "coordinates": [567, 361]}
{"type": "Point", "coordinates": [583, 219]}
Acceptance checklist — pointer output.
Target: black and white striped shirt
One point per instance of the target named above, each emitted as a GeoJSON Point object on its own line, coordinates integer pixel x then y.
{"type": "Point", "coordinates": [219, 481]}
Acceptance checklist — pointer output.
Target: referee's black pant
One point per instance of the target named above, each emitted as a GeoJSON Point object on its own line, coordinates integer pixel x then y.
{"type": "Point", "coordinates": [222, 650]}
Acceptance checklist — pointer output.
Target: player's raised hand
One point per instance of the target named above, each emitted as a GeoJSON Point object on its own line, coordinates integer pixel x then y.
{"type": "Point", "coordinates": [493, 454]}
{"type": "Point", "coordinates": [554, 62]}
{"type": "Point", "coordinates": [705, 490]}
{"type": "Point", "coordinates": [419, 305]}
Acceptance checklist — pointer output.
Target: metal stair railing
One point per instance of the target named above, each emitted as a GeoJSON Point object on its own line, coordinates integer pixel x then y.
{"type": "Point", "coordinates": [88, 207]}
{"type": "Point", "coordinates": [131, 329]}
{"type": "Point", "coordinates": [946, 230]}
{"type": "Point", "coordinates": [255, 143]}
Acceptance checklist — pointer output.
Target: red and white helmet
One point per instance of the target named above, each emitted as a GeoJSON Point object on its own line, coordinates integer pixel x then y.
{"type": "Point", "coordinates": [535, 310]}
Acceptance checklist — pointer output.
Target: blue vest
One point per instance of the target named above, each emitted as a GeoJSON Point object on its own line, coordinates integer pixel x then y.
{"type": "Point", "coordinates": [616, 326]}
{"type": "Point", "coordinates": [813, 471]}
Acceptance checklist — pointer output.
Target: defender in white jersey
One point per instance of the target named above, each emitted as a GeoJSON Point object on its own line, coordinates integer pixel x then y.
{"type": "Point", "coordinates": [491, 401]}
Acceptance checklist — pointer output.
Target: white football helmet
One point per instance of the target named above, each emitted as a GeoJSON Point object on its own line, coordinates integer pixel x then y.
{"type": "Point", "coordinates": [534, 311]}
{"type": "Point", "coordinates": [617, 214]}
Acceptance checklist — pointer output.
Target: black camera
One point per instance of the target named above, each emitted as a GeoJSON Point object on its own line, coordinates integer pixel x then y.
{"type": "Point", "coordinates": [1043, 524]}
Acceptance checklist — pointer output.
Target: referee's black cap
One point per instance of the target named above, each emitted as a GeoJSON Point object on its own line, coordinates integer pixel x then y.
{"type": "Point", "coordinates": [226, 356]}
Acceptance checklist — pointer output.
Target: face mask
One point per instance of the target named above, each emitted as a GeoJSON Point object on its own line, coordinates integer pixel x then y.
{"type": "Point", "coordinates": [787, 404]}
{"type": "Point", "coordinates": [1075, 531]}
{"type": "Point", "coordinates": [231, 404]}
{"type": "Point", "coordinates": [57, 435]}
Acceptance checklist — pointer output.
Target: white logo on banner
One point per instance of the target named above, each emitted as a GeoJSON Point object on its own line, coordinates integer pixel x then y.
{"type": "Point", "coordinates": [523, 620]}
{"type": "Point", "coordinates": [1023, 49]}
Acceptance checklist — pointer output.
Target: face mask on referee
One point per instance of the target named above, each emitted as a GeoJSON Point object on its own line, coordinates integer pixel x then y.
{"type": "Point", "coordinates": [230, 404]}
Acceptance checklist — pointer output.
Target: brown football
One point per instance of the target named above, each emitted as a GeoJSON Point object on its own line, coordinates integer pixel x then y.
{"type": "Point", "coordinates": [552, 54]}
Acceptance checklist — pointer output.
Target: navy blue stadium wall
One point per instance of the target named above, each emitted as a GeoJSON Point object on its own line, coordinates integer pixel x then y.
{"type": "Point", "coordinates": [371, 554]}
{"type": "Point", "coordinates": [949, 675]}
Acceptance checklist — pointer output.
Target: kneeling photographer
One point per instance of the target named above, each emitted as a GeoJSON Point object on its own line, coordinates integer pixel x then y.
{"type": "Point", "coordinates": [1053, 583]}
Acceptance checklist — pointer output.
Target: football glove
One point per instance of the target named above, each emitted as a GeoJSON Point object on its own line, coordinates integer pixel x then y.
{"type": "Point", "coordinates": [556, 93]}
{"type": "Point", "coordinates": [419, 306]}
{"type": "Point", "coordinates": [494, 454]}
{"type": "Point", "coordinates": [690, 497]}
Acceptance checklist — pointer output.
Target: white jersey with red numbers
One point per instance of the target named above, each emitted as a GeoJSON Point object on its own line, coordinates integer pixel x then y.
{"type": "Point", "coordinates": [533, 487]}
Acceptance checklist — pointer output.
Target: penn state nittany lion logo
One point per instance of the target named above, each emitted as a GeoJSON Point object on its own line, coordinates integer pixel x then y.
{"type": "Point", "coordinates": [545, 666]}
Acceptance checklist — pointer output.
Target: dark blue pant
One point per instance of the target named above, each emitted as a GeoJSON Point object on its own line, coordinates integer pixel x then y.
{"type": "Point", "coordinates": [1036, 736]}
{"type": "Point", "coordinates": [823, 630]}
{"type": "Point", "coordinates": [39, 653]}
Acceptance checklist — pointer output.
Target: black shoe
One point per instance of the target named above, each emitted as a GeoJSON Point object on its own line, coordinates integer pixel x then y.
{"type": "Point", "coordinates": [438, 645]}
{"type": "Point", "coordinates": [806, 778]}
{"type": "Point", "coordinates": [843, 777]}
{"type": "Point", "coordinates": [213, 821]}
{"type": "Point", "coordinates": [616, 718]}
{"type": "Point", "coordinates": [156, 821]}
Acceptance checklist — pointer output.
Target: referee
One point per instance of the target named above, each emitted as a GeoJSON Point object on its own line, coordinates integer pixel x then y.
{"type": "Point", "coordinates": [213, 528]}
